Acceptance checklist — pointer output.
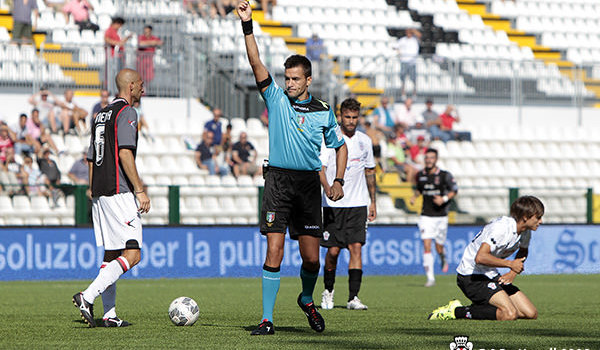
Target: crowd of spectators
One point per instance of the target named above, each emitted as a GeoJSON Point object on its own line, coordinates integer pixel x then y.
{"type": "Point", "coordinates": [220, 155]}
{"type": "Point", "coordinates": [407, 133]}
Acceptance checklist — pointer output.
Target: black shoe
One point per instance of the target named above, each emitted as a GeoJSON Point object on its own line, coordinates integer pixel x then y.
{"type": "Point", "coordinates": [115, 322]}
{"type": "Point", "coordinates": [315, 320]}
{"type": "Point", "coordinates": [265, 328]}
{"type": "Point", "coordinates": [86, 309]}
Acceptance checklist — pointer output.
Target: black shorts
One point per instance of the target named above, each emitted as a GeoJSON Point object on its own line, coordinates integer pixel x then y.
{"type": "Point", "coordinates": [292, 198]}
{"type": "Point", "coordinates": [344, 226]}
{"type": "Point", "coordinates": [480, 289]}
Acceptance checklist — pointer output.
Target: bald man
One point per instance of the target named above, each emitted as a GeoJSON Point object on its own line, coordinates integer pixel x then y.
{"type": "Point", "coordinates": [118, 197]}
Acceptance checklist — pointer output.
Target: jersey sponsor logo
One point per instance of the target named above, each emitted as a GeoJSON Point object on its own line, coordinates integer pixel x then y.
{"type": "Point", "coordinates": [492, 286]}
{"type": "Point", "coordinates": [461, 342]}
{"type": "Point", "coordinates": [270, 217]}
{"type": "Point", "coordinates": [312, 227]}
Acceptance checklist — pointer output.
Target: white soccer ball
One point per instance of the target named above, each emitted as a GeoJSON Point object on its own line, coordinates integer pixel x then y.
{"type": "Point", "coordinates": [184, 311]}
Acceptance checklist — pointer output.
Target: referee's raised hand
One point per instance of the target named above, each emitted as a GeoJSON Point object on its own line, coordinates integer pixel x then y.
{"type": "Point", "coordinates": [143, 201]}
{"type": "Point", "coordinates": [244, 10]}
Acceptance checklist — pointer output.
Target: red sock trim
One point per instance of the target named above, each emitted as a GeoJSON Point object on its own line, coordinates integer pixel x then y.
{"type": "Point", "coordinates": [123, 264]}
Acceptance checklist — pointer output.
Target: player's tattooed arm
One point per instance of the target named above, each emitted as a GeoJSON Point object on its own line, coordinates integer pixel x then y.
{"type": "Point", "coordinates": [371, 186]}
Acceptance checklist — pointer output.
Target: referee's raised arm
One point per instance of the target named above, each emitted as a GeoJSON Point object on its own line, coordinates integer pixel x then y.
{"type": "Point", "coordinates": [260, 71]}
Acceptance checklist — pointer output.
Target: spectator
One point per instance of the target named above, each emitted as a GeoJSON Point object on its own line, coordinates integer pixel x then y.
{"type": "Point", "coordinates": [227, 138]}
{"type": "Point", "coordinates": [80, 170]}
{"type": "Point", "coordinates": [405, 114]}
{"type": "Point", "coordinates": [24, 143]}
{"type": "Point", "coordinates": [396, 155]}
{"type": "Point", "coordinates": [446, 122]}
{"type": "Point", "coordinates": [244, 155]}
{"type": "Point", "coordinates": [315, 48]}
{"type": "Point", "coordinates": [71, 115]}
{"type": "Point", "coordinates": [264, 118]}
{"type": "Point", "coordinates": [418, 130]}
{"type": "Point", "coordinates": [113, 40]}
{"type": "Point", "coordinates": [417, 152]}
{"type": "Point", "coordinates": [384, 117]}
{"type": "Point", "coordinates": [6, 141]}
{"type": "Point", "coordinates": [408, 50]}
{"type": "Point", "coordinates": [79, 9]}
{"type": "Point", "coordinates": [215, 126]}
{"type": "Point", "coordinates": [104, 96]}
{"type": "Point", "coordinates": [14, 171]}
{"type": "Point", "coordinates": [205, 155]}
{"type": "Point", "coordinates": [268, 11]}
{"type": "Point", "coordinates": [37, 132]}
{"type": "Point", "coordinates": [429, 115]}
{"type": "Point", "coordinates": [35, 179]}
{"type": "Point", "coordinates": [52, 175]}
{"type": "Point", "coordinates": [431, 119]}
{"type": "Point", "coordinates": [57, 5]}
{"type": "Point", "coordinates": [142, 124]}
{"type": "Point", "coordinates": [49, 168]}
{"type": "Point", "coordinates": [22, 31]}
{"type": "Point", "coordinates": [376, 137]}
{"type": "Point", "coordinates": [147, 44]}
{"type": "Point", "coordinates": [45, 102]}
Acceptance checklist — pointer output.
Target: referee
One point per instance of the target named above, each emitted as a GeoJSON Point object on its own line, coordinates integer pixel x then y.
{"type": "Point", "coordinates": [438, 188]}
{"type": "Point", "coordinates": [345, 221]}
{"type": "Point", "coordinates": [298, 122]}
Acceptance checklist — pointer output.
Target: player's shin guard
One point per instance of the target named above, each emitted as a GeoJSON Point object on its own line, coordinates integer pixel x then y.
{"type": "Point", "coordinates": [476, 312]}
{"type": "Point", "coordinates": [428, 265]}
{"type": "Point", "coordinates": [270, 287]}
{"type": "Point", "coordinates": [309, 280]}
{"type": "Point", "coordinates": [354, 280]}
{"type": "Point", "coordinates": [329, 279]}
{"type": "Point", "coordinates": [107, 276]}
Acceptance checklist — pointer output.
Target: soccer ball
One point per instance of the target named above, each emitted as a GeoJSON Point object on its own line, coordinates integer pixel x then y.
{"type": "Point", "coordinates": [184, 311]}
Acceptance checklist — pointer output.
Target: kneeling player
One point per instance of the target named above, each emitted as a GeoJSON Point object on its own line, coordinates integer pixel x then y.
{"type": "Point", "coordinates": [493, 295]}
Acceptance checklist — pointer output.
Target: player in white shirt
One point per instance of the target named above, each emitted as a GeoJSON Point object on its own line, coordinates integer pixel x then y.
{"type": "Point", "coordinates": [493, 295]}
{"type": "Point", "coordinates": [345, 220]}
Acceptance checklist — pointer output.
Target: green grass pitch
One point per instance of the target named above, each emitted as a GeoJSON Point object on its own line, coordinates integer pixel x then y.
{"type": "Point", "coordinates": [40, 315]}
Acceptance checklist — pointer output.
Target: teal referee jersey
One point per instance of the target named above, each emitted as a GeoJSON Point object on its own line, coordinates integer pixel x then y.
{"type": "Point", "coordinates": [296, 129]}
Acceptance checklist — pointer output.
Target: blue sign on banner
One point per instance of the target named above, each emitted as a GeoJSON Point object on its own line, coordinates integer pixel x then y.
{"type": "Point", "coordinates": [188, 252]}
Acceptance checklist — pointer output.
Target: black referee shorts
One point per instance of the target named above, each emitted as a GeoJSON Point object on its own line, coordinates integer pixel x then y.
{"type": "Point", "coordinates": [344, 226]}
{"type": "Point", "coordinates": [292, 198]}
{"type": "Point", "coordinates": [480, 288]}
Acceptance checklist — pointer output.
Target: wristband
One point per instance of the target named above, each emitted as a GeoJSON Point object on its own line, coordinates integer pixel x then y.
{"type": "Point", "coordinates": [138, 192]}
{"type": "Point", "coordinates": [445, 198]}
{"type": "Point", "coordinates": [247, 27]}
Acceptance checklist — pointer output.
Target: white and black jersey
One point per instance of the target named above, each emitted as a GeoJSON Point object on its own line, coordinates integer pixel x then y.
{"type": "Point", "coordinates": [360, 157]}
{"type": "Point", "coordinates": [440, 183]}
{"type": "Point", "coordinates": [502, 236]}
{"type": "Point", "coordinates": [113, 128]}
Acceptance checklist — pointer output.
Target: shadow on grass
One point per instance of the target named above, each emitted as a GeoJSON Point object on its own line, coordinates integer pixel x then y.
{"type": "Point", "coordinates": [99, 323]}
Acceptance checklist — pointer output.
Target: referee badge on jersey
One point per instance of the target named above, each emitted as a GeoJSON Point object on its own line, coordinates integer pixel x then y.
{"type": "Point", "coordinates": [270, 218]}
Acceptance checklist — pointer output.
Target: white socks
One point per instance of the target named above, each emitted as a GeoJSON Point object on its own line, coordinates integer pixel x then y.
{"type": "Point", "coordinates": [106, 277]}
{"type": "Point", "coordinates": [428, 265]}
{"type": "Point", "coordinates": [109, 297]}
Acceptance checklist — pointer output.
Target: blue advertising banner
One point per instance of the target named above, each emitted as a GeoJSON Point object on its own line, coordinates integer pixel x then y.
{"type": "Point", "coordinates": [189, 252]}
